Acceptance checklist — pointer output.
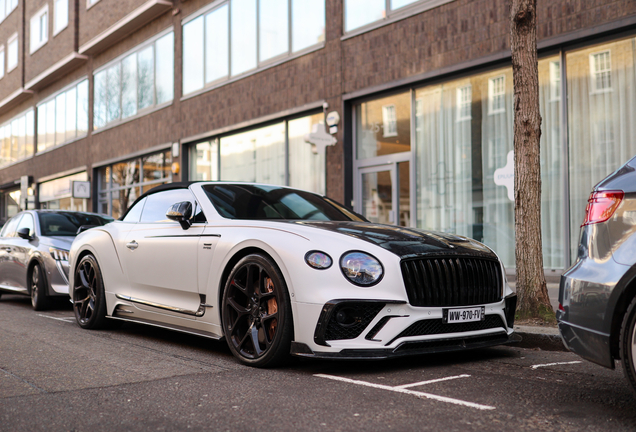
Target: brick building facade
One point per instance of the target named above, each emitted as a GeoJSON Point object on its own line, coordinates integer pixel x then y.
{"type": "Point", "coordinates": [68, 113]}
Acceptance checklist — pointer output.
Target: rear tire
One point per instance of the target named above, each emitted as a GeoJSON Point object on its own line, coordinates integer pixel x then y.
{"type": "Point", "coordinates": [89, 301]}
{"type": "Point", "coordinates": [37, 283]}
{"type": "Point", "coordinates": [628, 345]}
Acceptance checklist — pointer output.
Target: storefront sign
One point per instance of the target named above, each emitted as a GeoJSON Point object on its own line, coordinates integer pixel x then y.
{"type": "Point", "coordinates": [81, 189]}
{"type": "Point", "coordinates": [320, 138]}
{"type": "Point", "coordinates": [506, 176]}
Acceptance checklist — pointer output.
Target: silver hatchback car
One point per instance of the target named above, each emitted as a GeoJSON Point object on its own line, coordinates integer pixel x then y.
{"type": "Point", "coordinates": [597, 295]}
{"type": "Point", "coordinates": [34, 247]}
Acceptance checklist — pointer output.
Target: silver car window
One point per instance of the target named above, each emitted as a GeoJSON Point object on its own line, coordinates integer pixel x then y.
{"type": "Point", "coordinates": [10, 227]}
{"type": "Point", "coordinates": [157, 204]}
{"type": "Point", "coordinates": [27, 222]}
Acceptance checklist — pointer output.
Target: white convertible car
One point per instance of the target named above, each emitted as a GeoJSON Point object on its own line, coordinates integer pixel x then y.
{"type": "Point", "coordinates": [276, 270]}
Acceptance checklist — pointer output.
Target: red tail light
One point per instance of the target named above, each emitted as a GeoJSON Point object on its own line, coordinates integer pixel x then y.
{"type": "Point", "coordinates": [601, 206]}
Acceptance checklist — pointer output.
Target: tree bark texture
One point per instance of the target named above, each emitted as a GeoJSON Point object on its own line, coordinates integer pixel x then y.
{"type": "Point", "coordinates": [531, 286]}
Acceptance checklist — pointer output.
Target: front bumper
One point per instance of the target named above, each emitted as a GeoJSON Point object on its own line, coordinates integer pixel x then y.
{"type": "Point", "coordinates": [377, 329]}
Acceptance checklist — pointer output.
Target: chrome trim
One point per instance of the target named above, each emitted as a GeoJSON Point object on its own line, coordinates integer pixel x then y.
{"type": "Point", "coordinates": [198, 313]}
{"type": "Point", "coordinates": [16, 289]}
{"type": "Point", "coordinates": [60, 269]}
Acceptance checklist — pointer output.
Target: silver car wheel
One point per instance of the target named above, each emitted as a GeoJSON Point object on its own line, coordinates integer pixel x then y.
{"type": "Point", "coordinates": [39, 299]}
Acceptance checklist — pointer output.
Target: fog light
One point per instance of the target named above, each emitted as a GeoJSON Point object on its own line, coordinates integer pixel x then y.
{"type": "Point", "coordinates": [346, 317]}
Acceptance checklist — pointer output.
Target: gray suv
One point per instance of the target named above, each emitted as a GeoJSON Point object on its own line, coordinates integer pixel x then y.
{"type": "Point", "coordinates": [34, 247]}
{"type": "Point", "coordinates": [597, 295]}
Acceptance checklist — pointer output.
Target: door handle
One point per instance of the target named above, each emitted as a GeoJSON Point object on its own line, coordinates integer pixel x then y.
{"type": "Point", "coordinates": [132, 245]}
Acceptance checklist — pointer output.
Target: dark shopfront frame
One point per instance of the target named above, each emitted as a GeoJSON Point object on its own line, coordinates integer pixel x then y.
{"type": "Point", "coordinates": [560, 45]}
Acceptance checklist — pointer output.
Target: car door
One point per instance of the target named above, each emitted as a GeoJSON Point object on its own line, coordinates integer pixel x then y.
{"type": "Point", "coordinates": [19, 253]}
{"type": "Point", "coordinates": [160, 259]}
{"type": "Point", "coordinates": [6, 244]}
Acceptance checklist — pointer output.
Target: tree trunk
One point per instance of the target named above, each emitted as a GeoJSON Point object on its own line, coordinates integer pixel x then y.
{"type": "Point", "coordinates": [533, 300]}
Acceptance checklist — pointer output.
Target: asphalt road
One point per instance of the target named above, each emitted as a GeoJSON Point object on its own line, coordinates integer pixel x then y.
{"type": "Point", "coordinates": [55, 376]}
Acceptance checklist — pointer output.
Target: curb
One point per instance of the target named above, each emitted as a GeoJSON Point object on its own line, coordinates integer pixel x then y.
{"type": "Point", "coordinates": [544, 338]}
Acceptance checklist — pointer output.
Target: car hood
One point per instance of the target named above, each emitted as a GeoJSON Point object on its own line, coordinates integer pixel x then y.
{"type": "Point", "coordinates": [405, 242]}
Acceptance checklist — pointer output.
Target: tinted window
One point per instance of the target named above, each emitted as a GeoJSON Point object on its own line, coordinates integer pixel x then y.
{"type": "Point", "coordinates": [157, 205]}
{"type": "Point", "coordinates": [271, 202]}
{"type": "Point", "coordinates": [27, 222]}
{"type": "Point", "coordinates": [67, 223]}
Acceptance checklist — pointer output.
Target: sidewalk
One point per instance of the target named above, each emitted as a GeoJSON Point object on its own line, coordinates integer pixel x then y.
{"type": "Point", "coordinates": [542, 337]}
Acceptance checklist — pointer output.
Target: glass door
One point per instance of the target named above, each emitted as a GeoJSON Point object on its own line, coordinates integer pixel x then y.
{"type": "Point", "coordinates": [384, 193]}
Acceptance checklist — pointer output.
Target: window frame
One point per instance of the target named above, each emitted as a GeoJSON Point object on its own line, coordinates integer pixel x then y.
{"type": "Point", "coordinates": [13, 38]}
{"type": "Point", "coordinates": [53, 97]}
{"type": "Point", "coordinates": [56, 30]}
{"type": "Point", "coordinates": [492, 110]}
{"type": "Point", "coordinates": [260, 64]}
{"type": "Point", "coordinates": [594, 72]}
{"type": "Point", "coordinates": [118, 61]}
{"type": "Point", "coordinates": [390, 15]}
{"type": "Point", "coordinates": [2, 61]}
{"type": "Point", "coordinates": [389, 121]}
{"type": "Point", "coordinates": [41, 13]}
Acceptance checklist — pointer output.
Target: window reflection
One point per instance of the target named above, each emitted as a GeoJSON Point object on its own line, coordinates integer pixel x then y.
{"type": "Point", "coordinates": [273, 26]}
{"type": "Point", "coordinates": [16, 138]}
{"type": "Point", "coordinates": [64, 117]}
{"type": "Point", "coordinates": [384, 126]}
{"type": "Point", "coordinates": [243, 35]}
{"type": "Point", "coordinates": [359, 13]}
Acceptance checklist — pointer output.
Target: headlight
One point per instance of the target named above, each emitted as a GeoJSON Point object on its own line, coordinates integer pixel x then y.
{"type": "Point", "coordinates": [58, 254]}
{"type": "Point", "coordinates": [361, 268]}
{"type": "Point", "coordinates": [318, 260]}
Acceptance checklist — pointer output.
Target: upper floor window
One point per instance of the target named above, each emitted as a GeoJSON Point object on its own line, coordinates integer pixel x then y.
{"type": "Point", "coordinates": [389, 121]}
{"type": "Point", "coordinates": [64, 117]}
{"type": "Point", "coordinates": [464, 102]}
{"type": "Point", "coordinates": [134, 83]}
{"type": "Point", "coordinates": [240, 36]}
{"type": "Point", "coordinates": [39, 29]}
{"type": "Point", "coordinates": [1, 61]}
{"type": "Point", "coordinates": [61, 16]}
{"type": "Point", "coordinates": [601, 71]}
{"type": "Point", "coordinates": [12, 52]}
{"type": "Point", "coordinates": [6, 7]}
{"type": "Point", "coordinates": [359, 13]}
{"type": "Point", "coordinates": [497, 95]}
{"type": "Point", "coordinates": [90, 3]}
{"type": "Point", "coordinates": [16, 138]}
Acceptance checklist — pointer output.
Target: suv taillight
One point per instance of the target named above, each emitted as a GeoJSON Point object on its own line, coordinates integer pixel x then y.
{"type": "Point", "coordinates": [601, 206]}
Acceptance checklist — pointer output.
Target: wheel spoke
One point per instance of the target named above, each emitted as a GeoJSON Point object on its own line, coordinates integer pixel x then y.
{"type": "Point", "coordinates": [83, 279]}
{"type": "Point", "coordinates": [241, 310]}
{"type": "Point", "coordinates": [254, 339]}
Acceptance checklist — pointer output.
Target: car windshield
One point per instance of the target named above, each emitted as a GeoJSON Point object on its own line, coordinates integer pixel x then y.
{"type": "Point", "coordinates": [67, 223]}
{"type": "Point", "coordinates": [273, 202]}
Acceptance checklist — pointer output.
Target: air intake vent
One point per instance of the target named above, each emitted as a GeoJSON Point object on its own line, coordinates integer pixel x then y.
{"type": "Point", "coordinates": [452, 281]}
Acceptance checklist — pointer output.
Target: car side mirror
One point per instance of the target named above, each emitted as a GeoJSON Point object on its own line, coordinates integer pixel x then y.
{"type": "Point", "coordinates": [24, 233]}
{"type": "Point", "coordinates": [181, 212]}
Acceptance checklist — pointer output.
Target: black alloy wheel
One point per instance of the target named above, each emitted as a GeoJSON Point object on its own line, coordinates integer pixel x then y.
{"type": "Point", "coordinates": [256, 313]}
{"type": "Point", "coordinates": [628, 344]}
{"type": "Point", "coordinates": [89, 302]}
{"type": "Point", "coordinates": [37, 286]}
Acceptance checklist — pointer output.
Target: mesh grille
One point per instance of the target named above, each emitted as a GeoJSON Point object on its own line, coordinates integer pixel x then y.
{"type": "Point", "coordinates": [436, 326]}
{"type": "Point", "coordinates": [363, 313]}
{"type": "Point", "coordinates": [451, 281]}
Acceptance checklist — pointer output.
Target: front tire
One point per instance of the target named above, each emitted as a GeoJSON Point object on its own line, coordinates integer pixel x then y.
{"type": "Point", "coordinates": [89, 302]}
{"type": "Point", "coordinates": [628, 344]}
{"type": "Point", "coordinates": [256, 313]}
{"type": "Point", "coordinates": [37, 284]}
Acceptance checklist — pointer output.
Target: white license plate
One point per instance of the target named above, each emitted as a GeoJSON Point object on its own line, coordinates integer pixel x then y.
{"type": "Point", "coordinates": [464, 315]}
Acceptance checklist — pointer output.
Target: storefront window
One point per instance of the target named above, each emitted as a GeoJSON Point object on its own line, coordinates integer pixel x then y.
{"type": "Point", "coordinates": [384, 126]}
{"type": "Point", "coordinates": [120, 184]}
{"type": "Point", "coordinates": [465, 166]}
{"type": "Point", "coordinates": [601, 84]}
{"type": "Point", "coordinates": [57, 194]}
{"type": "Point", "coordinates": [264, 155]}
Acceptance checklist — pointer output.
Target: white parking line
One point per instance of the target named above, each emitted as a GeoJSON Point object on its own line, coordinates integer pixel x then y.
{"type": "Point", "coordinates": [432, 381]}
{"type": "Point", "coordinates": [399, 389]}
{"type": "Point", "coordinates": [555, 364]}
{"type": "Point", "coordinates": [58, 319]}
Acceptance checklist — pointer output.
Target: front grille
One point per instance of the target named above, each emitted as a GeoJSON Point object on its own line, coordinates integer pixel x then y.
{"type": "Point", "coordinates": [452, 281]}
{"type": "Point", "coordinates": [359, 316]}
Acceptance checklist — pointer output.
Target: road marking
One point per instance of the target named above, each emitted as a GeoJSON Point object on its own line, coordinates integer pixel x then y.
{"type": "Point", "coordinates": [58, 319]}
{"type": "Point", "coordinates": [431, 381]}
{"type": "Point", "coordinates": [409, 392]}
{"type": "Point", "coordinates": [555, 364]}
